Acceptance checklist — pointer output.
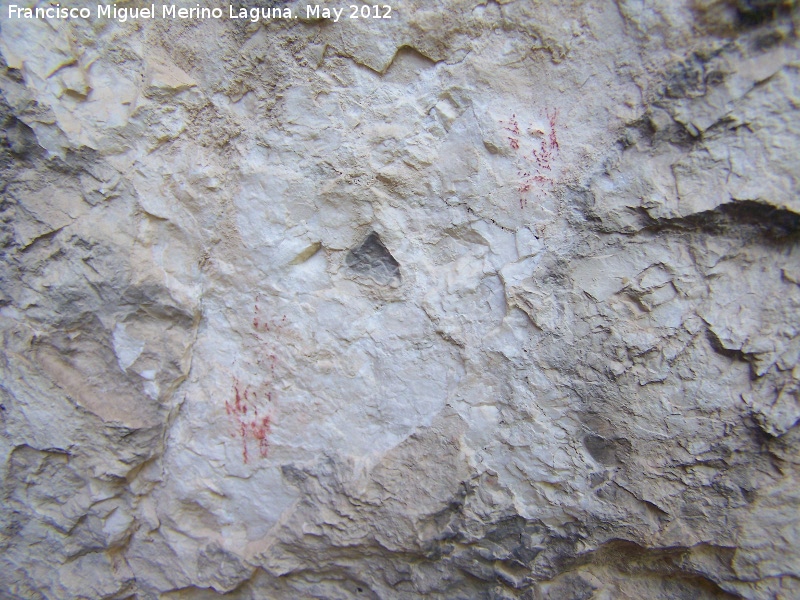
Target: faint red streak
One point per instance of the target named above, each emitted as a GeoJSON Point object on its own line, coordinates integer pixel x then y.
{"type": "Point", "coordinates": [541, 159]}
{"type": "Point", "coordinates": [250, 430]}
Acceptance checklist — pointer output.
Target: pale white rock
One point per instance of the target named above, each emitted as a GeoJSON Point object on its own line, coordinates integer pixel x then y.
{"type": "Point", "coordinates": [486, 300]}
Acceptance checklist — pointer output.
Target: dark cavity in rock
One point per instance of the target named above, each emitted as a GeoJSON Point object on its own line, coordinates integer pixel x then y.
{"type": "Point", "coordinates": [372, 261]}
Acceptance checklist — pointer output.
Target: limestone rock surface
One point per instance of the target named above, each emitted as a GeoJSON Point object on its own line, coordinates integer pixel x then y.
{"type": "Point", "coordinates": [491, 299]}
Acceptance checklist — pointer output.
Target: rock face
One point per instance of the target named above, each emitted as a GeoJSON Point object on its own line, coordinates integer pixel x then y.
{"type": "Point", "coordinates": [491, 299]}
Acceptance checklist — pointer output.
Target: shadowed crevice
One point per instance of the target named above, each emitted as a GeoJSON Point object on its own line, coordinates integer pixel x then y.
{"type": "Point", "coordinates": [372, 262]}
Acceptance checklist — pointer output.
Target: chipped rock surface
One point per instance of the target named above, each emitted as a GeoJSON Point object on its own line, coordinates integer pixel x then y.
{"type": "Point", "coordinates": [492, 299]}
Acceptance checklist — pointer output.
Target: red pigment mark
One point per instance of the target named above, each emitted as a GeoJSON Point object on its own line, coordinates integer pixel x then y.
{"type": "Point", "coordinates": [512, 125]}
{"type": "Point", "coordinates": [255, 429]}
{"type": "Point", "coordinates": [260, 431]}
{"type": "Point", "coordinates": [263, 324]}
{"type": "Point", "coordinates": [552, 120]}
{"type": "Point", "coordinates": [243, 408]}
{"type": "Point", "coordinates": [541, 158]}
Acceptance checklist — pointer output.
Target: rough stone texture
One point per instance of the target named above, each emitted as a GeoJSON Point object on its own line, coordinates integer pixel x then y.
{"type": "Point", "coordinates": [494, 299]}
